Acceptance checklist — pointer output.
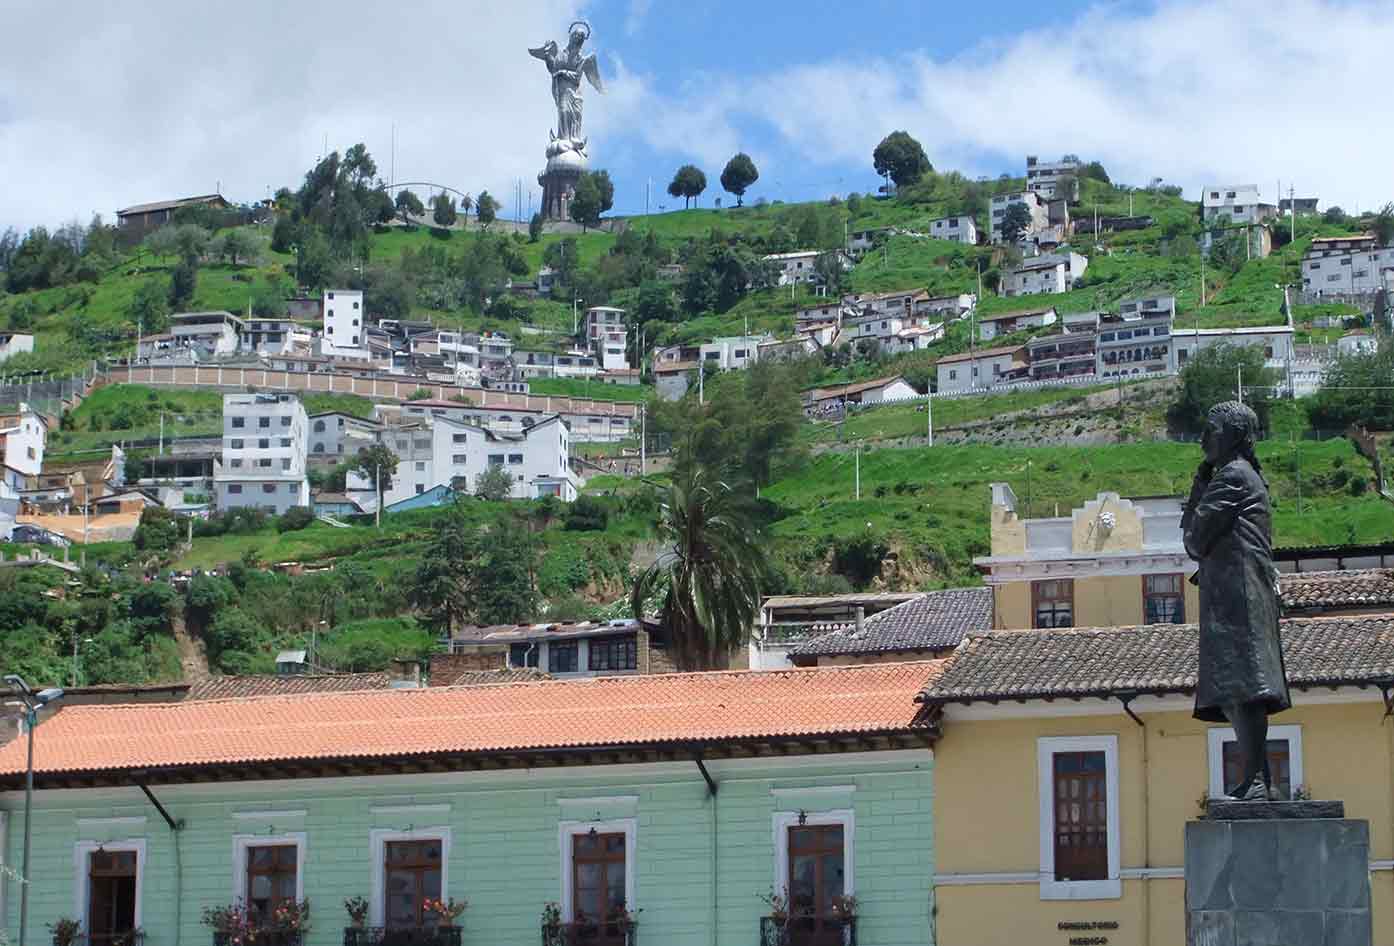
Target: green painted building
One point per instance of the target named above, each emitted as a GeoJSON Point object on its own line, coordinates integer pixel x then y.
{"type": "Point", "coordinates": [678, 800]}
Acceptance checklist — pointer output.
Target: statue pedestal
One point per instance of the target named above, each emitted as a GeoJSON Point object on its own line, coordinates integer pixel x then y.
{"type": "Point", "coordinates": [559, 181]}
{"type": "Point", "coordinates": [1277, 874]}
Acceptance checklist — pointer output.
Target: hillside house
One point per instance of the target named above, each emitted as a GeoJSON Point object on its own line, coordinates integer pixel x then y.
{"type": "Point", "coordinates": [1276, 341]}
{"type": "Point", "coordinates": [561, 649]}
{"type": "Point", "coordinates": [345, 325]}
{"type": "Point", "coordinates": [788, 620]}
{"type": "Point", "coordinates": [264, 450]}
{"type": "Point", "coordinates": [1068, 352]}
{"type": "Point", "coordinates": [1054, 273]}
{"type": "Point", "coordinates": [1357, 342]}
{"type": "Point", "coordinates": [732, 353]}
{"type": "Point", "coordinates": [1235, 204]}
{"type": "Point", "coordinates": [270, 336]}
{"type": "Point", "coordinates": [336, 436]}
{"type": "Point", "coordinates": [788, 349]}
{"type": "Point", "coordinates": [606, 332]}
{"type": "Point", "coordinates": [1137, 339]}
{"type": "Point", "coordinates": [209, 334]}
{"type": "Point", "coordinates": [1037, 206]}
{"type": "Point", "coordinates": [135, 222]}
{"type": "Point", "coordinates": [859, 241]}
{"type": "Point", "coordinates": [529, 364]}
{"type": "Point", "coordinates": [1303, 205]}
{"type": "Point", "coordinates": [834, 399]}
{"type": "Point", "coordinates": [15, 343]}
{"type": "Point", "coordinates": [959, 229]}
{"type": "Point", "coordinates": [1345, 265]}
{"type": "Point", "coordinates": [800, 266]}
{"type": "Point", "coordinates": [828, 312]}
{"type": "Point", "coordinates": [927, 626]}
{"type": "Point", "coordinates": [984, 368]}
{"type": "Point", "coordinates": [913, 337]}
{"type": "Point", "coordinates": [945, 307]}
{"type": "Point", "coordinates": [898, 302]}
{"type": "Point", "coordinates": [1044, 177]}
{"type": "Point", "coordinates": [1004, 323]}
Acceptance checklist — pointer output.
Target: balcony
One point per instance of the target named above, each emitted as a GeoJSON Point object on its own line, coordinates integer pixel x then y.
{"type": "Point", "coordinates": [128, 938]}
{"type": "Point", "coordinates": [808, 931]}
{"type": "Point", "coordinates": [587, 933]}
{"type": "Point", "coordinates": [400, 936]}
{"type": "Point", "coordinates": [258, 938]}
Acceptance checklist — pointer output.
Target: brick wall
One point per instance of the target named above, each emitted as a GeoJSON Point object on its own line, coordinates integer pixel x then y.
{"type": "Point", "coordinates": [445, 667]}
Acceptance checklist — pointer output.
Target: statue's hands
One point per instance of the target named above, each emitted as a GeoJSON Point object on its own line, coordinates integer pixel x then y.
{"type": "Point", "coordinates": [1205, 471]}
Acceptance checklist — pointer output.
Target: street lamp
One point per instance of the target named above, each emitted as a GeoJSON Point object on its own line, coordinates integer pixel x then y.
{"type": "Point", "coordinates": [32, 703]}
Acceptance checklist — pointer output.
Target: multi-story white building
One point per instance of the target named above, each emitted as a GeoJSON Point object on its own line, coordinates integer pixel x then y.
{"type": "Point", "coordinates": [1053, 273]}
{"type": "Point", "coordinates": [1043, 177]}
{"type": "Point", "coordinates": [1038, 207]}
{"type": "Point", "coordinates": [23, 434]}
{"type": "Point", "coordinates": [210, 334]}
{"type": "Point", "coordinates": [1276, 341]}
{"type": "Point", "coordinates": [859, 241]}
{"type": "Point", "coordinates": [1004, 323]}
{"type": "Point", "coordinates": [829, 313]}
{"type": "Point", "coordinates": [440, 451]}
{"type": "Point", "coordinates": [946, 307]}
{"type": "Point", "coordinates": [1137, 339]}
{"type": "Point", "coordinates": [1235, 204]}
{"type": "Point", "coordinates": [528, 364]}
{"type": "Point", "coordinates": [800, 266]}
{"type": "Point", "coordinates": [960, 229]}
{"type": "Point", "coordinates": [1067, 352]}
{"type": "Point", "coordinates": [345, 334]}
{"type": "Point", "coordinates": [1346, 265]}
{"type": "Point", "coordinates": [264, 449]}
{"type": "Point", "coordinates": [336, 436]}
{"type": "Point", "coordinates": [606, 329]}
{"type": "Point", "coordinates": [495, 351]}
{"type": "Point", "coordinates": [15, 343]}
{"type": "Point", "coordinates": [1357, 342]}
{"type": "Point", "coordinates": [980, 369]}
{"type": "Point", "coordinates": [732, 352]}
{"type": "Point", "coordinates": [267, 336]}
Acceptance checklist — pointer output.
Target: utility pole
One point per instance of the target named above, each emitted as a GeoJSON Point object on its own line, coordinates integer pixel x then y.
{"type": "Point", "coordinates": [857, 452]}
{"type": "Point", "coordinates": [1292, 209]}
{"type": "Point", "coordinates": [929, 419]}
{"type": "Point", "coordinates": [1239, 382]}
{"type": "Point", "coordinates": [377, 513]}
{"type": "Point", "coordinates": [701, 380]}
{"type": "Point", "coordinates": [162, 434]}
{"type": "Point", "coordinates": [643, 438]}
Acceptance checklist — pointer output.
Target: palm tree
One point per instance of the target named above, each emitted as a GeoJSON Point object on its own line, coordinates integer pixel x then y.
{"type": "Point", "coordinates": [466, 205]}
{"type": "Point", "coordinates": [709, 574]}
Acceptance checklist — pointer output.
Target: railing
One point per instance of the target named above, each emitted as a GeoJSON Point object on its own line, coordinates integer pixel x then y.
{"type": "Point", "coordinates": [128, 938]}
{"type": "Point", "coordinates": [587, 933]}
{"type": "Point", "coordinates": [261, 938]}
{"type": "Point", "coordinates": [808, 931]}
{"type": "Point", "coordinates": [401, 936]}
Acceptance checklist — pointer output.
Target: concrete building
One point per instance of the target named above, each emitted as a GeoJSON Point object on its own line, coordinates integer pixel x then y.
{"type": "Point", "coordinates": [23, 434]}
{"type": "Point", "coordinates": [830, 312]}
{"type": "Point", "coordinates": [788, 349]}
{"type": "Point", "coordinates": [899, 302]}
{"type": "Point", "coordinates": [835, 399]}
{"type": "Point", "coordinates": [345, 325]}
{"type": "Point", "coordinates": [1357, 342]}
{"type": "Point", "coordinates": [335, 436]}
{"type": "Point", "coordinates": [1037, 206]}
{"type": "Point", "coordinates": [946, 307]}
{"type": "Point", "coordinates": [495, 352]}
{"type": "Point", "coordinates": [915, 337]}
{"type": "Point", "coordinates": [859, 241]}
{"type": "Point", "coordinates": [800, 266]}
{"type": "Point", "coordinates": [1053, 273]}
{"type": "Point", "coordinates": [960, 229]}
{"type": "Point", "coordinates": [1345, 265]}
{"type": "Point", "coordinates": [984, 368]}
{"type": "Point", "coordinates": [272, 336]}
{"type": "Point", "coordinates": [1044, 177]}
{"type": "Point", "coordinates": [606, 336]}
{"type": "Point", "coordinates": [210, 334]}
{"type": "Point", "coordinates": [1276, 341]}
{"type": "Point", "coordinates": [566, 649]}
{"type": "Point", "coordinates": [264, 449]}
{"type": "Point", "coordinates": [1069, 351]}
{"type": "Point", "coordinates": [734, 352]}
{"type": "Point", "coordinates": [1137, 339]}
{"type": "Point", "coordinates": [528, 364]}
{"type": "Point", "coordinates": [1236, 205]}
{"type": "Point", "coordinates": [15, 343]}
{"type": "Point", "coordinates": [1004, 323]}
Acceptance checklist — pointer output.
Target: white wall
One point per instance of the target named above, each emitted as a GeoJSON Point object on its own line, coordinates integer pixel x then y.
{"type": "Point", "coordinates": [12, 344]}
{"type": "Point", "coordinates": [25, 437]}
{"type": "Point", "coordinates": [345, 328]}
{"type": "Point", "coordinates": [264, 443]}
{"type": "Point", "coordinates": [1346, 272]}
{"type": "Point", "coordinates": [961, 229]}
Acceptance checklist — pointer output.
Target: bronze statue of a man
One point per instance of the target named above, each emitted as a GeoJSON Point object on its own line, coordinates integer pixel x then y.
{"type": "Point", "coordinates": [1227, 527]}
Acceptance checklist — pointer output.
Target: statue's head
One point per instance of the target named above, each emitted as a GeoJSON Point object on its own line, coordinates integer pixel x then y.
{"type": "Point", "coordinates": [1231, 428]}
{"type": "Point", "coordinates": [580, 32]}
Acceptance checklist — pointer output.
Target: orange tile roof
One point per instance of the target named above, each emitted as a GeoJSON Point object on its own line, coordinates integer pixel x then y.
{"type": "Point", "coordinates": [599, 713]}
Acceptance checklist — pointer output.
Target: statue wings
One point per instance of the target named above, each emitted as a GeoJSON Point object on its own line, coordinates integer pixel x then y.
{"type": "Point", "coordinates": [591, 70]}
{"type": "Point", "coordinates": [547, 52]}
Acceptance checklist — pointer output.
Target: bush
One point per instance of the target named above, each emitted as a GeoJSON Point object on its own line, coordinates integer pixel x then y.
{"type": "Point", "coordinates": [1358, 485]}
{"type": "Point", "coordinates": [859, 558]}
{"type": "Point", "coordinates": [587, 514]}
{"type": "Point", "coordinates": [158, 530]}
{"type": "Point", "coordinates": [295, 519]}
{"type": "Point", "coordinates": [421, 394]}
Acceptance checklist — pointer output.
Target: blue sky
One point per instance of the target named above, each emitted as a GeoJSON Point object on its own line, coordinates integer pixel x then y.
{"type": "Point", "coordinates": [105, 105]}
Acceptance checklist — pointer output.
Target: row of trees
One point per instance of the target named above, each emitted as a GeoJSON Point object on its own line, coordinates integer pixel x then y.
{"type": "Point", "coordinates": [740, 173]}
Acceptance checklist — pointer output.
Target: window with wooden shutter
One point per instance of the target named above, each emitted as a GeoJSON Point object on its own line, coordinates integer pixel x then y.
{"type": "Point", "coordinates": [1081, 816]}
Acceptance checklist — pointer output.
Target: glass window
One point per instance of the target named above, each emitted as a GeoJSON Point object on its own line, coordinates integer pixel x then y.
{"type": "Point", "coordinates": [1080, 793]}
{"type": "Point", "coordinates": [1053, 603]}
{"type": "Point", "coordinates": [111, 897]}
{"type": "Point", "coordinates": [515, 458]}
{"type": "Point", "coordinates": [270, 879]}
{"type": "Point", "coordinates": [234, 488]}
{"type": "Point", "coordinates": [1279, 765]}
{"type": "Point", "coordinates": [613, 653]}
{"type": "Point", "coordinates": [268, 487]}
{"type": "Point", "coordinates": [285, 421]}
{"type": "Point", "coordinates": [412, 876]}
{"type": "Point", "coordinates": [562, 657]}
{"type": "Point", "coordinates": [1164, 599]}
{"type": "Point", "coordinates": [235, 444]}
{"type": "Point", "coordinates": [239, 422]}
{"type": "Point", "coordinates": [496, 459]}
{"type": "Point", "coordinates": [263, 422]}
{"type": "Point", "coordinates": [817, 878]}
{"type": "Point", "coordinates": [523, 655]}
{"type": "Point", "coordinates": [597, 863]}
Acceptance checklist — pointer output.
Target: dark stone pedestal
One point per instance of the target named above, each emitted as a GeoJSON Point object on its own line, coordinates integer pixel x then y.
{"type": "Point", "coordinates": [1260, 874]}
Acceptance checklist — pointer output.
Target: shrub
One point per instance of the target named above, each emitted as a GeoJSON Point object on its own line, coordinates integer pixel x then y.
{"type": "Point", "coordinates": [587, 514]}
{"type": "Point", "coordinates": [859, 558]}
{"type": "Point", "coordinates": [158, 530]}
{"type": "Point", "coordinates": [295, 519]}
{"type": "Point", "coordinates": [1358, 485]}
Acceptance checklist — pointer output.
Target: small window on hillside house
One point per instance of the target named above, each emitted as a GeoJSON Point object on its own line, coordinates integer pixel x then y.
{"type": "Point", "coordinates": [1053, 603]}
{"type": "Point", "coordinates": [613, 653]}
{"type": "Point", "coordinates": [563, 657]}
{"type": "Point", "coordinates": [1163, 599]}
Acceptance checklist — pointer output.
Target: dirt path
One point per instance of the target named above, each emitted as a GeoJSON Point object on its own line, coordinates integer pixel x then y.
{"type": "Point", "coordinates": [193, 658]}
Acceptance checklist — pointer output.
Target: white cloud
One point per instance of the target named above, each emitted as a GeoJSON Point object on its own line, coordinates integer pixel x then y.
{"type": "Point", "coordinates": [104, 105]}
{"type": "Point", "coordinates": [638, 12]}
{"type": "Point", "coordinates": [1247, 91]}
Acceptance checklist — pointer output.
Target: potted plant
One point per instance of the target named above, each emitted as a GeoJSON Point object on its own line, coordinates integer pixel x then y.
{"type": "Point", "coordinates": [291, 920]}
{"type": "Point", "coordinates": [65, 930]}
{"type": "Point", "coordinates": [844, 907]}
{"type": "Point", "coordinates": [231, 925]}
{"type": "Point", "coordinates": [357, 908]}
{"type": "Point", "coordinates": [447, 911]}
{"type": "Point", "coordinates": [551, 924]}
{"type": "Point", "coordinates": [774, 928]}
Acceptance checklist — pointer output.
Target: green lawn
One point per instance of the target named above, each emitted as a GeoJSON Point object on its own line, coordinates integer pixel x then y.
{"type": "Point", "coordinates": [582, 387]}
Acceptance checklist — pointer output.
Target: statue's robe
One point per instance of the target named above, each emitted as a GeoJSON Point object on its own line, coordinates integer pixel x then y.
{"type": "Point", "coordinates": [1228, 531]}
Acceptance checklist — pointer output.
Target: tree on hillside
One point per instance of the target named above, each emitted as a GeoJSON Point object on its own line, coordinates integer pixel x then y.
{"type": "Point", "coordinates": [443, 587]}
{"type": "Point", "coordinates": [408, 205]}
{"type": "Point", "coordinates": [234, 245]}
{"type": "Point", "coordinates": [902, 157]}
{"type": "Point", "coordinates": [443, 210]}
{"type": "Point", "coordinates": [494, 484]}
{"type": "Point", "coordinates": [708, 575]}
{"type": "Point", "coordinates": [1094, 171]}
{"type": "Point", "coordinates": [149, 308]}
{"type": "Point", "coordinates": [535, 227]}
{"type": "Point", "coordinates": [687, 183]}
{"type": "Point", "coordinates": [740, 173]}
{"type": "Point", "coordinates": [1015, 222]}
{"type": "Point", "coordinates": [9, 245]}
{"type": "Point", "coordinates": [1383, 226]}
{"type": "Point", "coordinates": [466, 205]}
{"type": "Point", "coordinates": [828, 266]}
{"type": "Point", "coordinates": [378, 464]}
{"type": "Point", "coordinates": [1212, 375]}
{"type": "Point", "coordinates": [594, 195]}
{"type": "Point", "coordinates": [1334, 215]}
{"type": "Point", "coordinates": [1355, 390]}
{"type": "Point", "coordinates": [486, 208]}
{"type": "Point", "coordinates": [183, 283]}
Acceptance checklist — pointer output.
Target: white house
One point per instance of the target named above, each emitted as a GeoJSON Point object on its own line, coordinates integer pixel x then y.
{"type": "Point", "coordinates": [960, 229]}
{"type": "Point", "coordinates": [913, 338]}
{"type": "Point", "coordinates": [23, 434]}
{"type": "Point", "coordinates": [1038, 207]}
{"type": "Point", "coordinates": [495, 351]}
{"type": "Point", "coordinates": [1043, 177]}
{"type": "Point", "coordinates": [800, 266]}
{"type": "Point", "coordinates": [1053, 273]}
{"type": "Point", "coordinates": [210, 334]}
{"type": "Point", "coordinates": [1137, 339]}
{"type": "Point", "coordinates": [1276, 341]}
{"type": "Point", "coordinates": [529, 363]}
{"type": "Point", "coordinates": [264, 449]}
{"type": "Point", "coordinates": [268, 336]}
{"type": "Point", "coordinates": [14, 343]}
{"type": "Point", "coordinates": [1235, 204]}
{"type": "Point", "coordinates": [828, 312]}
{"type": "Point", "coordinates": [879, 391]}
{"type": "Point", "coordinates": [1345, 270]}
{"type": "Point", "coordinates": [345, 335]}
{"type": "Point", "coordinates": [732, 352]}
{"type": "Point", "coordinates": [606, 330]}
{"type": "Point", "coordinates": [980, 369]}
{"type": "Point", "coordinates": [1004, 323]}
{"type": "Point", "coordinates": [336, 436]}
{"type": "Point", "coordinates": [1357, 342]}
{"type": "Point", "coordinates": [898, 302]}
{"type": "Point", "coordinates": [800, 346]}
{"type": "Point", "coordinates": [440, 451]}
{"type": "Point", "coordinates": [859, 241]}
{"type": "Point", "coordinates": [946, 307]}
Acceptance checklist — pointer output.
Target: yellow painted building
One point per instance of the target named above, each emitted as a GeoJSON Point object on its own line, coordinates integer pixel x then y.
{"type": "Point", "coordinates": [1069, 764]}
{"type": "Point", "coordinates": [1113, 562]}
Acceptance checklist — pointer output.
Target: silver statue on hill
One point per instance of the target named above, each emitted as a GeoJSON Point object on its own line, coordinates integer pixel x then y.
{"type": "Point", "coordinates": [566, 68]}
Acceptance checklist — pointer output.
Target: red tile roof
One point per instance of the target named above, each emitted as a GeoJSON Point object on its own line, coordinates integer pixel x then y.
{"type": "Point", "coordinates": [599, 713]}
{"type": "Point", "coordinates": [268, 684]}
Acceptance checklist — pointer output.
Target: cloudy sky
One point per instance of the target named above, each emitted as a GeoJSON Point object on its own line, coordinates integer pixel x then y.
{"type": "Point", "coordinates": [104, 105]}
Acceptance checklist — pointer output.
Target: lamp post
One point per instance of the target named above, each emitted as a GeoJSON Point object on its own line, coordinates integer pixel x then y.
{"type": "Point", "coordinates": [32, 702]}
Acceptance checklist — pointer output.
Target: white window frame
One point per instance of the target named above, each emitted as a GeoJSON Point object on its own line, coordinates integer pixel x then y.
{"type": "Point", "coordinates": [566, 835]}
{"type": "Point", "coordinates": [240, 845]}
{"type": "Point", "coordinates": [377, 855]}
{"type": "Point", "coordinates": [1216, 737]}
{"type": "Point", "coordinates": [784, 820]}
{"type": "Point", "coordinates": [82, 891]}
{"type": "Point", "coordinates": [1110, 888]}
